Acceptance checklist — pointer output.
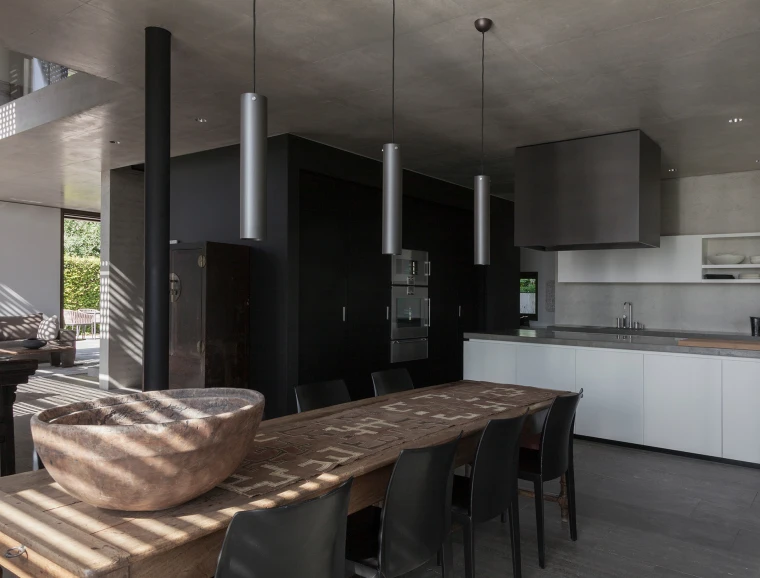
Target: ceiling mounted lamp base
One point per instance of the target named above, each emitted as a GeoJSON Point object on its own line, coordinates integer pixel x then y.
{"type": "Point", "coordinates": [483, 24]}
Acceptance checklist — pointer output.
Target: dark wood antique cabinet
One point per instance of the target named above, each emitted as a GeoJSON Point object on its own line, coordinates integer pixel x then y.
{"type": "Point", "coordinates": [210, 303]}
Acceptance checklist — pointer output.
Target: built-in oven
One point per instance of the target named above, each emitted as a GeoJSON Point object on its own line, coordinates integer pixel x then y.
{"type": "Point", "coordinates": [410, 312]}
{"type": "Point", "coordinates": [410, 306]}
{"type": "Point", "coordinates": [410, 268]}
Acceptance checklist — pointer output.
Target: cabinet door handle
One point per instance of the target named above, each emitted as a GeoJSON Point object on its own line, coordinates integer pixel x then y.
{"type": "Point", "coordinates": [387, 313]}
{"type": "Point", "coordinates": [460, 310]}
{"type": "Point", "coordinates": [344, 314]}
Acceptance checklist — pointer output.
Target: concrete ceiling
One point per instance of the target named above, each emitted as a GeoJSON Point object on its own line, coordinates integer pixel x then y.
{"type": "Point", "coordinates": [556, 69]}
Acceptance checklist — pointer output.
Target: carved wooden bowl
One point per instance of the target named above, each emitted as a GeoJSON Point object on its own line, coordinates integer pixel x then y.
{"type": "Point", "coordinates": [147, 451]}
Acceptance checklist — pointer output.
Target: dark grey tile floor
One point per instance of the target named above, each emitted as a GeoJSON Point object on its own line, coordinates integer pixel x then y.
{"type": "Point", "coordinates": [640, 514]}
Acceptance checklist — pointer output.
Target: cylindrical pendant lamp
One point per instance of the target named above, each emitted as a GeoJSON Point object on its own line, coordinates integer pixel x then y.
{"type": "Point", "coordinates": [253, 166]}
{"type": "Point", "coordinates": [392, 170]}
{"type": "Point", "coordinates": [482, 204]}
{"type": "Point", "coordinates": [482, 220]}
{"type": "Point", "coordinates": [392, 199]}
{"type": "Point", "coordinates": [253, 158]}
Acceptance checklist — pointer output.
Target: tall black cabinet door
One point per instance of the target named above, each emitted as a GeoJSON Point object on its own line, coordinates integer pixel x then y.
{"type": "Point", "coordinates": [187, 331]}
{"type": "Point", "coordinates": [322, 297]}
{"type": "Point", "coordinates": [368, 330]}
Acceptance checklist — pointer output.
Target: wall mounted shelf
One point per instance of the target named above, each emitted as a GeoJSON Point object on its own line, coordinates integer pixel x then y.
{"type": "Point", "coordinates": [740, 266]}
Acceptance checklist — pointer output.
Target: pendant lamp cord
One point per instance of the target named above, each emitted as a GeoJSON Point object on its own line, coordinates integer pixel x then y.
{"type": "Point", "coordinates": [482, 105]}
{"type": "Point", "coordinates": [393, 78]}
{"type": "Point", "coordinates": [254, 45]}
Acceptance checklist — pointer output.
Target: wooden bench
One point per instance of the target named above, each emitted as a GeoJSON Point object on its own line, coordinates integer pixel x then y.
{"type": "Point", "coordinates": [58, 352]}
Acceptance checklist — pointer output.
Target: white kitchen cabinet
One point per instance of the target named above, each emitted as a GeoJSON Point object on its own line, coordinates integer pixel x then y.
{"type": "Point", "coordinates": [551, 367]}
{"type": "Point", "coordinates": [489, 361]}
{"type": "Point", "coordinates": [682, 403]}
{"type": "Point", "coordinates": [678, 259]}
{"type": "Point", "coordinates": [741, 402]}
{"type": "Point", "coordinates": [613, 395]}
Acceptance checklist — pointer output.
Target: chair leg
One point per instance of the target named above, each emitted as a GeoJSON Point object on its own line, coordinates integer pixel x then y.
{"type": "Point", "coordinates": [538, 486]}
{"type": "Point", "coordinates": [446, 556]}
{"type": "Point", "coordinates": [571, 502]}
{"type": "Point", "coordinates": [468, 530]}
{"type": "Point", "coordinates": [514, 534]}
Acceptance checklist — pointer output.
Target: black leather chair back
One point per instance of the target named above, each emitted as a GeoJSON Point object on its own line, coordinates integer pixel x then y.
{"type": "Point", "coordinates": [305, 539]}
{"type": "Point", "coordinates": [391, 381]}
{"type": "Point", "coordinates": [416, 515]}
{"type": "Point", "coordinates": [494, 472]}
{"type": "Point", "coordinates": [555, 439]}
{"type": "Point", "coordinates": [322, 394]}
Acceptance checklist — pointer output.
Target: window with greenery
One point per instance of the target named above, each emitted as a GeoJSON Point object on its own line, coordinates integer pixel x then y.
{"type": "Point", "coordinates": [81, 264]}
{"type": "Point", "coordinates": [529, 295]}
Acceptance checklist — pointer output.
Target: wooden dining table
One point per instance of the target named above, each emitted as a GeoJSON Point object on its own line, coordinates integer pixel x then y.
{"type": "Point", "coordinates": [44, 531]}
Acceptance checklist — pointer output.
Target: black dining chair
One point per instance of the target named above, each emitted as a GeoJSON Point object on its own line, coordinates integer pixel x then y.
{"type": "Point", "coordinates": [491, 488]}
{"type": "Point", "coordinates": [553, 459]}
{"type": "Point", "coordinates": [303, 539]}
{"type": "Point", "coordinates": [321, 394]}
{"type": "Point", "coordinates": [391, 381]}
{"type": "Point", "coordinates": [414, 522]}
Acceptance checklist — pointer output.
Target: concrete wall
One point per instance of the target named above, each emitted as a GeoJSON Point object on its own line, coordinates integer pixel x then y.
{"type": "Point", "coordinates": [728, 203]}
{"type": "Point", "coordinates": [122, 275]}
{"type": "Point", "coordinates": [30, 259]}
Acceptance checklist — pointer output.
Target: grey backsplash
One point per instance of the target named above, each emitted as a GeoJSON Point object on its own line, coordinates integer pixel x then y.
{"type": "Point", "coordinates": [708, 307]}
{"type": "Point", "coordinates": [728, 203]}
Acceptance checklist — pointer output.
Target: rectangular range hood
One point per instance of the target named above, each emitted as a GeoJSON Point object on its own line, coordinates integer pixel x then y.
{"type": "Point", "coordinates": [599, 192]}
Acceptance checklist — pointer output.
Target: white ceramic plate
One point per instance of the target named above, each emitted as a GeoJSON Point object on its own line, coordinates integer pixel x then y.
{"type": "Point", "coordinates": [726, 259]}
{"type": "Point", "coordinates": [755, 260]}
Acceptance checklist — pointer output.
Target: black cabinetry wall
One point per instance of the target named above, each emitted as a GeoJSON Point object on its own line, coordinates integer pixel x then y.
{"type": "Point", "coordinates": [323, 253]}
{"type": "Point", "coordinates": [344, 280]}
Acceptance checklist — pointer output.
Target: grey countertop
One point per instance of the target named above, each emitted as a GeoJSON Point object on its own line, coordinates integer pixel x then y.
{"type": "Point", "coordinates": [616, 339]}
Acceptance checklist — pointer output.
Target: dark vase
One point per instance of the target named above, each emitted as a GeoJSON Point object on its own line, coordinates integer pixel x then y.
{"type": "Point", "coordinates": [755, 323]}
{"type": "Point", "coordinates": [33, 343]}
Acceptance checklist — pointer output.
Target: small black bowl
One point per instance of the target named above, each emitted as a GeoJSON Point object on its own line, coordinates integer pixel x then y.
{"type": "Point", "coordinates": [34, 343]}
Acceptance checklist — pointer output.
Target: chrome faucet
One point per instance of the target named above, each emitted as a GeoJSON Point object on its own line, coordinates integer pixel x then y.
{"type": "Point", "coordinates": [628, 315]}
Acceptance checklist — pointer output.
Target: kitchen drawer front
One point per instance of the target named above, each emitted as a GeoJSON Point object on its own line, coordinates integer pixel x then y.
{"type": "Point", "coordinates": [741, 400]}
{"type": "Point", "coordinates": [613, 395]}
{"type": "Point", "coordinates": [550, 367]}
{"type": "Point", "coordinates": [489, 361]}
{"type": "Point", "coordinates": [682, 403]}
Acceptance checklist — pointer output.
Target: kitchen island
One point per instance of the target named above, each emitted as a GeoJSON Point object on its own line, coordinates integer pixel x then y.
{"type": "Point", "coordinates": [641, 389]}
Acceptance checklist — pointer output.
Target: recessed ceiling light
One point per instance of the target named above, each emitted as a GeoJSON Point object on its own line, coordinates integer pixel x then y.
{"type": "Point", "coordinates": [200, 119]}
{"type": "Point", "coordinates": [734, 120]}
{"type": "Point", "coordinates": [115, 142]}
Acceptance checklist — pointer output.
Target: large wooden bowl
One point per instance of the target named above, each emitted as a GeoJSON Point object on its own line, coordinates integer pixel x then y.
{"type": "Point", "coordinates": [147, 451]}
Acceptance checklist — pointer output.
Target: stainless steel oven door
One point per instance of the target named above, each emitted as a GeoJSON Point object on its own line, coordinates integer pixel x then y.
{"type": "Point", "coordinates": [410, 268]}
{"type": "Point", "coordinates": [410, 312]}
{"type": "Point", "coordinates": [409, 350]}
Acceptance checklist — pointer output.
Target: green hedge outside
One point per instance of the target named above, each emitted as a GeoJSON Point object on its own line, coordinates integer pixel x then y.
{"type": "Point", "coordinates": [81, 282]}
